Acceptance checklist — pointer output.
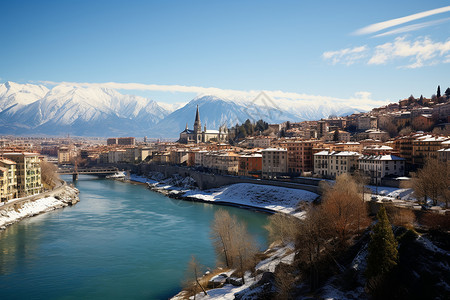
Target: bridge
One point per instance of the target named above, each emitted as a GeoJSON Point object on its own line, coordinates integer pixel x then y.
{"type": "Point", "coordinates": [88, 171]}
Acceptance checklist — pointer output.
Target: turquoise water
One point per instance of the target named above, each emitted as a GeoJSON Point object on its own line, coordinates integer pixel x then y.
{"type": "Point", "coordinates": [121, 241]}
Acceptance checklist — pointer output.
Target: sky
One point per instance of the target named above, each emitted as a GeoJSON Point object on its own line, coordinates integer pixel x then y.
{"type": "Point", "coordinates": [364, 52]}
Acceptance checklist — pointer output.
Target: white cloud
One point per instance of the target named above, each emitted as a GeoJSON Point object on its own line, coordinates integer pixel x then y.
{"type": "Point", "coordinates": [395, 22]}
{"type": "Point", "coordinates": [360, 100]}
{"type": "Point", "coordinates": [421, 52]}
{"type": "Point", "coordinates": [412, 27]}
{"type": "Point", "coordinates": [346, 56]}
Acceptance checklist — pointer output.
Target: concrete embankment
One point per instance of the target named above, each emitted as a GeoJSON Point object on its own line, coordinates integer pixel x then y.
{"type": "Point", "coordinates": [18, 209]}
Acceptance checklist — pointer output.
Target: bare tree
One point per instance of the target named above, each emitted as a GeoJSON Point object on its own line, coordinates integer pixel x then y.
{"type": "Point", "coordinates": [222, 231]}
{"type": "Point", "coordinates": [346, 210]}
{"type": "Point", "coordinates": [284, 280]}
{"type": "Point", "coordinates": [232, 242]}
{"type": "Point", "coordinates": [244, 250]}
{"type": "Point", "coordinates": [361, 181]}
{"type": "Point", "coordinates": [49, 177]}
{"type": "Point", "coordinates": [193, 273]}
{"type": "Point", "coordinates": [282, 228]}
{"type": "Point", "coordinates": [432, 181]}
{"type": "Point", "coordinates": [400, 216]}
{"type": "Point", "coordinates": [312, 240]}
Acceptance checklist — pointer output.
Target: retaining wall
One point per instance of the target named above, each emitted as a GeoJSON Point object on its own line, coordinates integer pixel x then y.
{"type": "Point", "coordinates": [208, 180]}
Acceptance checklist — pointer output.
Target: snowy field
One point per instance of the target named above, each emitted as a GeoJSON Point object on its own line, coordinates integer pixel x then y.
{"type": "Point", "coordinates": [273, 198]}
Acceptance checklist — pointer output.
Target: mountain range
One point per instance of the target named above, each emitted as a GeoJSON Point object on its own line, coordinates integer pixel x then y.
{"type": "Point", "coordinates": [29, 109]}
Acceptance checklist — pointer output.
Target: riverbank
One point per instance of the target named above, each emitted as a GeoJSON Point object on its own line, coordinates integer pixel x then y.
{"type": "Point", "coordinates": [264, 198]}
{"type": "Point", "coordinates": [21, 208]}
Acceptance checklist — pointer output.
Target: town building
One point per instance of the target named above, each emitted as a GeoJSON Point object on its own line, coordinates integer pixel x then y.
{"type": "Point", "coordinates": [367, 122]}
{"type": "Point", "coordinates": [299, 156]}
{"type": "Point", "coordinates": [121, 141]}
{"type": "Point", "coordinates": [258, 142]}
{"type": "Point", "coordinates": [379, 167]}
{"type": "Point", "coordinates": [250, 165]}
{"type": "Point", "coordinates": [332, 164]}
{"type": "Point", "coordinates": [222, 162]}
{"type": "Point", "coordinates": [341, 135]}
{"type": "Point", "coordinates": [9, 180]}
{"type": "Point", "coordinates": [274, 162]}
{"type": "Point", "coordinates": [441, 112]}
{"type": "Point", "coordinates": [426, 147]}
{"type": "Point", "coordinates": [28, 170]}
{"type": "Point", "coordinates": [198, 136]}
{"type": "Point", "coordinates": [64, 155]}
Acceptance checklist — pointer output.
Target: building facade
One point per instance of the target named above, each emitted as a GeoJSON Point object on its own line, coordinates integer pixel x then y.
{"type": "Point", "coordinates": [274, 162]}
{"type": "Point", "coordinates": [203, 136]}
{"type": "Point", "coordinates": [9, 180]}
{"type": "Point", "coordinates": [28, 172]}
{"type": "Point", "coordinates": [377, 167]}
{"type": "Point", "coordinates": [332, 164]}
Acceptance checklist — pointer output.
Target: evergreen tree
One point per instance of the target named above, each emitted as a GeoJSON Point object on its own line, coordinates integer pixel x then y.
{"type": "Point", "coordinates": [438, 93]}
{"type": "Point", "coordinates": [447, 93]}
{"type": "Point", "coordinates": [383, 253]}
{"type": "Point", "coordinates": [421, 100]}
{"type": "Point", "coordinates": [336, 135]}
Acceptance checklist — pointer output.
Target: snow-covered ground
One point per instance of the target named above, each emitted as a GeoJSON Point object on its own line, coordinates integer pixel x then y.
{"type": "Point", "coordinates": [10, 214]}
{"type": "Point", "coordinates": [228, 291]}
{"type": "Point", "coordinates": [273, 198]}
{"type": "Point", "coordinates": [278, 199]}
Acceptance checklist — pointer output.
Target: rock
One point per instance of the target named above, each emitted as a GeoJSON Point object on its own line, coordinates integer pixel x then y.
{"type": "Point", "coordinates": [234, 281]}
{"type": "Point", "coordinates": [217, 281]}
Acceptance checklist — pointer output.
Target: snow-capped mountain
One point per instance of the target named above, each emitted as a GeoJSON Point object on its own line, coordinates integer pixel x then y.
{"type": "Point", "coordinates": [89, 111]}
{"type": "Point", "coordinates": [215, 112]}
{"type": "Point", "coordinates": [14, 96]}
{"type": "Point", "coordinates": [97, 111]}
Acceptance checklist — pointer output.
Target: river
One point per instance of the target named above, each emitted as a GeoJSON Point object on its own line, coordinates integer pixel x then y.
{"type": "Point", "coordinates": [121, 241]}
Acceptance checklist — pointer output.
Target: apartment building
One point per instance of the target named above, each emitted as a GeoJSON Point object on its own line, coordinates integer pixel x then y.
{"type": "Point", "coordinates": [367, 122]}
{"type": "Point", "coordinates": [179, 156]}
{"type": "Point", "coordinates": [250, 165]}
{"type": "Point", "coordinates": [224, 162]}
{"type": "Point", "coordinates": [9, 180]}
{"type": "Point", "coordinates": [121, 141]}
{"type": "Point", "coordinates": [258, 142]}
{"type": "Point", "coordinates": [274, 162]}
{"type": "Point", "coordinates": [426, 147]}
{"type": "Point", "coordinates": [299, 156]}
{"type": "Point", "coordinates": [117, 156]}
{"type": "Point", "coordinates": [378, 167]}
{"type": "Point", "coordinates": [330, 164]}
{"type": "Point", "coordinates": [28, 171]}
{"type": "Point", "coordinates": [64, 155]}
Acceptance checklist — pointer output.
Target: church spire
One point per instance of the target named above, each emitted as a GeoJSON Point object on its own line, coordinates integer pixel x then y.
{"type": "Point", "coordinates": [197, 123]}
{"type": "Point", "coordinates": [197, 116]}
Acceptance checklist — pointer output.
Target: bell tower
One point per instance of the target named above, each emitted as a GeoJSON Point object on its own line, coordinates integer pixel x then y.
{"type": "Point", "coordinates": [197, 123]}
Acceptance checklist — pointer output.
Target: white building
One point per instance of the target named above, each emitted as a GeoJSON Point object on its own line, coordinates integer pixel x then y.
{"type": "Point", "coordinates": [334, 163]}
{"type": "Point", "coordinates": [377, 167]}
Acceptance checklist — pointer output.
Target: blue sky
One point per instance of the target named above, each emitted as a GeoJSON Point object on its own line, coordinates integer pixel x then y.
{"type": "Point", "coordinates": [310, 48]}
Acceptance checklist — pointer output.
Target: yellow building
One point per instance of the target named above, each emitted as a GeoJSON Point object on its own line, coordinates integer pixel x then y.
{"type": "Point", "coordinates": [28, 172]}
{"type": "Point", "coordinates": [9, 180]}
